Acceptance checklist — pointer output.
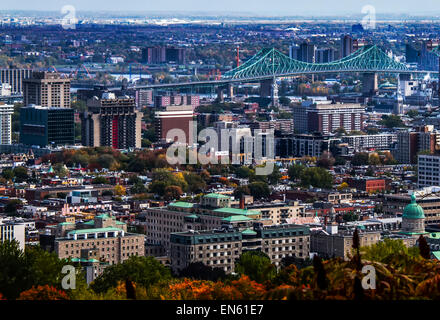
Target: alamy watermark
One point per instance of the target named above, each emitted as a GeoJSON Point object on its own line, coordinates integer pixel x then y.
{"type": "Point", "coordinates": [369, 20]}
{"type": "Point", "coordinates": [69, 280]}
{"type": "Point", "coordinates": [369, 281]}
{"type": "Point", "coordinates": [69, 20]}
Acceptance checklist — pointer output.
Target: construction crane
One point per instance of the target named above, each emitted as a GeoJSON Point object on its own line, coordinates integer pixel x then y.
{"type": "Point", "coordinates": [77, 69]}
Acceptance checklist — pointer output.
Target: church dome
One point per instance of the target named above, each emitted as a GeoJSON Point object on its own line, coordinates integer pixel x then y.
{"type": "Point", "coordinates": [413, 210]}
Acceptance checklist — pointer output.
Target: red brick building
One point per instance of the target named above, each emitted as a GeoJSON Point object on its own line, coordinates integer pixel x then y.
{"type": "Point", "coordinates": [367, 184]}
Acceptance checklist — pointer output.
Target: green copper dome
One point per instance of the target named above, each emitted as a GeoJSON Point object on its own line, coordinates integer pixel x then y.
{"type": "Point", "coordinates": [413, 210]}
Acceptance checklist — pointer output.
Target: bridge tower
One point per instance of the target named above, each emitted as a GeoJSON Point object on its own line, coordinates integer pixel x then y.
{"type": "Point", "coordinates": [370, 84]}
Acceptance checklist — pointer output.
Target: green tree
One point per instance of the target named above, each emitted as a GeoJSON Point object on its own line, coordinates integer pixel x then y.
{"type": "Point", "coordinates": [294, 171]}
{"type": "Point", "coordinates": [360, 159]}
{"type": "Point", "coordinates": [137, 188]}
{"type": "Point", "coordinates": [22, 270]}
{"type": "Point", "coordinates": [8, 174]}
{"type": "Point", "coordinates": [388, 251]}
{"type": "Point", "coordinates": [256, 265]}
{"type": "Point", "coordinates": [240, 191]}
{"type": "Point", "coordinates": [275, 176]}
{"type": "Point", "coordinates": [100, 180]}
{"type": "Point", "coordinates": [316, 177]}
{"type": "Point", "coordinates": [243, 172]}
{"type": "Point", "coordinates": [391, 121]}
{"type": "Point", "coordinates": [143, 271]}
{"type": "Point", "coordinates": [195, 182]}
{"type": "Point", "coordinates": [11, 207]}
{"type": "Point", "coordinates": [259, 190]}
{"type": "Point", "coordinates": [21, 174]}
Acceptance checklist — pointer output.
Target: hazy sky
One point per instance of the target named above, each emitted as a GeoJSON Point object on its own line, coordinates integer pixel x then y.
{"type": "Point", "coordinates": [288, 7]}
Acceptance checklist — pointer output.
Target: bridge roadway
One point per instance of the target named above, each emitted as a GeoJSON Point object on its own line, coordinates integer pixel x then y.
{"type": "Point", "coordinates": [226, 81]}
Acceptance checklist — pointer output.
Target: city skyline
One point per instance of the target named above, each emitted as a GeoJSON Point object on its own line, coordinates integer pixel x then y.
{"type": "Point", "coordinates": [277, 7]}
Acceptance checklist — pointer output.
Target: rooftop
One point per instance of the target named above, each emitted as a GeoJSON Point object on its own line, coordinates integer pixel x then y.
{"type": "Point", "coordinates": [243, 212]}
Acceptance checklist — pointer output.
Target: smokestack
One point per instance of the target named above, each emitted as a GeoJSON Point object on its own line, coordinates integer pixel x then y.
{"type": "Point", "coordinates": [242, 202]}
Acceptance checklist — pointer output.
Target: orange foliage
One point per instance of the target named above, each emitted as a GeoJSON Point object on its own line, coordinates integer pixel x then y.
{"type": "Point", "coordinates": [43, 293]}
{"type": "Point", "coordinates": [241, 289]}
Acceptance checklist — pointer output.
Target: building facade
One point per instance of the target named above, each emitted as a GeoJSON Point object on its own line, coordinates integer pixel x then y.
{"type": "Point", "coordinates": [327, 118]}
{"type": "Point", "coordinates": [103, 234]}
{"type": "Point", "coordinates": [428, 170]}
{"type": "Point", "coordinates": [221, 248]}
{"type": "Point", "coordinates": [47, 89]}
{"type": "Point", "coordinates": [47, 126]}
{"type": "Point", "coordinates": [15, 77]}
{"type": "Point", "coordinates": [359, 143]}
{"type": "Point", "coordinates": [112, 122]}
{"type": "Point", "coordinates": [6, 112]}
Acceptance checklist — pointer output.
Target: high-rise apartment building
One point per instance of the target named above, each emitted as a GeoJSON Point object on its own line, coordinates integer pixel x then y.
{"type": "Point", "coordinates": [410, 143]}
{"type": "Point", "coordinates": [159, 54]}
{"type": "Point", "coordinates": [346, 46]}
{"type": "Point", "coordinates": [327, 118]}
{"type": "Point", "coordinates": [47, 89]}
{"type": "Point", "coordinates": [325, 55]}
{"type": "Point", "coordinates": [6, 112]}
{"type": "Point", "coordinates": [428, 170]}
{"type": "Point", "coordinates": [15, 77]}
{"type": "Point", "coordinates": [304, 52]}
{"type": "Point", "coordinates": [144, 98]}
{"type": "Point", "coordinates": [112, 122]}
{"type": "Point", "coordinates": [307, 52]}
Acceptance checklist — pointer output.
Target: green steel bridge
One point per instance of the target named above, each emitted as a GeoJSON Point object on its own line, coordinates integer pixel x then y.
{"type": "Point", "coordinates": [270, 63]}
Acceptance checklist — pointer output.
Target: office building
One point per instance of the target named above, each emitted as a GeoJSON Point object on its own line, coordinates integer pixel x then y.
{"type": "Point", "coordinates": [47, 89]}
{"type": "Point", "coordinates": [15, 77]}
{"type": "Point", "coordinates": [6, 112]}
{"type": "Point", "coordinates": [222, 247]}
{"type": "Point", "coordinates": [211, 213]}
{"type": "Point", "coordinates": [46, 126]}
{"type": "Point", "coordinates": [112, 122]}
{"type": "Point", "coordinates": [174, 117]}
{"type": "Point", "coordinates": [106, 236]}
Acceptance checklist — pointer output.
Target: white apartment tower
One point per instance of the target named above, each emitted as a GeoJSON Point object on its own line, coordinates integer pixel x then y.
{"type": "Point", "coordinates": [6, 112]}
